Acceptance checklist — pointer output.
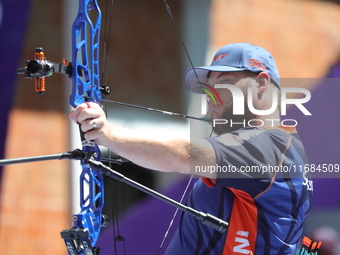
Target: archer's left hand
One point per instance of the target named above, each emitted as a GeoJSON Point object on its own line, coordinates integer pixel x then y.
{"type": "Point", "coordinates": [93, 122]}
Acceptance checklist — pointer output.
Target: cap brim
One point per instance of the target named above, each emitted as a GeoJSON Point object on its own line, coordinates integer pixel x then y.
{"type": "Point", "coordinates": [193, 76]}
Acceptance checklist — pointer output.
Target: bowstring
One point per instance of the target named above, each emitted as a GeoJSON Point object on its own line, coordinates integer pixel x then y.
{"type": "Point", "coordinates": [183, 44]}
{"type": "Point", "coordinates": [180, 37]}
{"type": "Point", "coordinates": [106, 51]}
{"type": "Point", "coordinates": [174, 216]}
{"type": "Point", "coordinates": [105, 70]}
{"type": "Point", "coordinates": [106, 42]}
{"type": "Point", "coordinates": [196, 75]}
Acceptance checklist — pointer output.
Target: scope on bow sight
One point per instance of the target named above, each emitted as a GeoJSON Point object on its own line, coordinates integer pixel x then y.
{"type": "Point", "coordinates": [39, 68]}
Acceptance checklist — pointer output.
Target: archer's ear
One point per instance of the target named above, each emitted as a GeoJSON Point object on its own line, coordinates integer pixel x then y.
{"type": "Point", "coordinates": [263, 80]}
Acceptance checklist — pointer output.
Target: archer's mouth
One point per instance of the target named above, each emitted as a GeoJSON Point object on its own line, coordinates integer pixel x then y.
{"type": "Point", "coordinates": [215, 110]}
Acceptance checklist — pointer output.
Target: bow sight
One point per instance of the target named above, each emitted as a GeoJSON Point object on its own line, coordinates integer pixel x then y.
{"type": "Point", "coordinates": [39, 68]}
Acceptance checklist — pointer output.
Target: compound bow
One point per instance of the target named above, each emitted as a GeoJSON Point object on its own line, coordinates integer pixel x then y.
{"type": "Point", "coordinates": [86, 87]}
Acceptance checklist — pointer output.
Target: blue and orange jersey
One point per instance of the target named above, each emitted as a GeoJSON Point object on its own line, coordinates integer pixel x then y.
{"type": "Point", "coordinates": [265, 201]}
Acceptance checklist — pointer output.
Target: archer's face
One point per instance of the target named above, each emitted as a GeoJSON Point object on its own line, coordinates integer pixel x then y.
{"type": "Point", "coordinates": [240, 79]}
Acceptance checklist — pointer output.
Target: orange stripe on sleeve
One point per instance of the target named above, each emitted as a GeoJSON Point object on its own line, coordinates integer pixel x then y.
{"type": "Point", "coordinates": [242, 230]}
{"type": "Point", "coordinates": [209, 182]}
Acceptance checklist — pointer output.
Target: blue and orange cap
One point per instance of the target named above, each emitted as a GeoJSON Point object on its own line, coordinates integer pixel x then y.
{"type": "Point", "coordinates": [232, 58]}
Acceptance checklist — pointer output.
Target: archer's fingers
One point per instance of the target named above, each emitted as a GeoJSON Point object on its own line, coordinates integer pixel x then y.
{"type": "Point", "coordinates": [91, 135]}
{"type": "Point", "coordinates": [75, 113]}
{"type": "Point", "coordinates": [92, 124]}
{"type": "Point", "coordinates": [86, 111]}
{"type": "Point", "coordinates": [89, 114]}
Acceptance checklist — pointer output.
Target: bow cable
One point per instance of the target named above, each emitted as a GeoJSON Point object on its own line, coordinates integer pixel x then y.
{"type": "Point", "coordinates": [106, 90]}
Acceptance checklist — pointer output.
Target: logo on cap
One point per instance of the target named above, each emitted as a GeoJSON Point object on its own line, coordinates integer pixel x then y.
{"type": "Point", "coordinates": [222, 56]}
{"type": "Point", "coordinates": [257, 64]}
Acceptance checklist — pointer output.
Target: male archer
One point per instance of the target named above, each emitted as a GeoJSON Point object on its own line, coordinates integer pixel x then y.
{"type": "Point", "coordinates": [265, 208]}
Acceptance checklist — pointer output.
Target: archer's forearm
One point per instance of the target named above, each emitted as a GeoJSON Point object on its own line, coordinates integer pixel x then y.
{"type": "Point", "coordinates": [162, 151]}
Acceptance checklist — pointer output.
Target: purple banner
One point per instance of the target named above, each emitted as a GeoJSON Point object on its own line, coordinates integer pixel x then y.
{"type": "Point", "coordinates": [13, 21]}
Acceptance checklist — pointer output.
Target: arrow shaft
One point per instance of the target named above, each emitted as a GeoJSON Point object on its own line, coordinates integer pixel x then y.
{"type": "Point", "coordinates": [155, 110]}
